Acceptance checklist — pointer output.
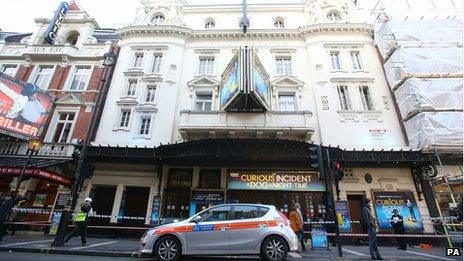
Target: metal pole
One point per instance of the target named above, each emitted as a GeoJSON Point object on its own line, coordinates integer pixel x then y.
{"type": "Point", "coordinates": [61, 232]}
{"type": "Point", "coordinates": [23, 170]}
{"type": "Point", "coordinates": [334, 212]}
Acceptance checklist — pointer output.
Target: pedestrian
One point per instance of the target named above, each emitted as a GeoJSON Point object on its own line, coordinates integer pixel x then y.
{"type": "Point", "coordinates": [5, 210]}
{"type": "Point", "coordinates": [80, 222]}
{"type": "Point", "coordinates": [397, 223]}
{"type": "Point", "coordinates": [368, 223]}
{"type": "Point", "coordinates": [296, 223]}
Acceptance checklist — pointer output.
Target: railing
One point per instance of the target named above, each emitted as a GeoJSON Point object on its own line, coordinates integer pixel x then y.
{"type": "Point", "coordinates": [48, 149]}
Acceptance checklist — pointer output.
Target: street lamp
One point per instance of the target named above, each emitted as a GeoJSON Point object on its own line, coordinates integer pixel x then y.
{"type": "Point", "coordinates": [109, 61]}
{"type": "Point", "coordinates": [33, 145]}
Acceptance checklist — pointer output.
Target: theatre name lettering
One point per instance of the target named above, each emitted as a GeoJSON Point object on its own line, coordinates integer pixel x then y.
{"type": "Point", "coordinates": [275, 180]}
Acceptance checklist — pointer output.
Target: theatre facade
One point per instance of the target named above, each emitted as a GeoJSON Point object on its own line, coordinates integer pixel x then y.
{"type": "Point", "coordinates": [205, 108]}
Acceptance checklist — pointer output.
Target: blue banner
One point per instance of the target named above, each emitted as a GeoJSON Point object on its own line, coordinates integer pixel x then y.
{"type": "Point", "coordinates": [343, 216]}
{"type": "Point", "coordinates": [319, 237]}
{"type": "Point", "coordinates": [405, 203]}
{"type": "Point", "coordinates": [55, 23]}
{"type": "Point", "coordinates": [230, 85]}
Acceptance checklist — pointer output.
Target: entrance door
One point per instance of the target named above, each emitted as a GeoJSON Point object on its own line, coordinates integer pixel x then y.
{"type": "Point", "coordinates": [102, 203]}
{"type": "Point", "coordinates": [355, 204]}
{"type": "Point", "coordinates": [136, 205]}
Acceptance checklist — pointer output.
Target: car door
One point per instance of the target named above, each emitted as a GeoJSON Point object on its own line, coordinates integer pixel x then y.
{"type": "Point", "coordinates": [211, 232]}
{"type": "Point", "coordinates": [247, 227]}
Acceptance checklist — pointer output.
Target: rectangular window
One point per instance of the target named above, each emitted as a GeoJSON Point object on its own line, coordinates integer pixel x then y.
{"type": "Point", "coordinates": [210, 178]}
{"type": "Point", "coordinates": [335, 58]}
{"type": "Point", "coordinates": [344, 97]}
{"type": "Point", "coordinates": [145, 122]}
{"type": "Point", "coordinates": [180, 178]}
{"type": "Point", "coordinates": [131, 88]}
{"type": "Point", "coordinates": [203, 101]}
{"type": "Point", "coordinates": [355, 60]}
{"type": "Point", "coordinates": [151, 91]}
{"type": "Point", "coordinates": [157, 59]}
{"type": "Point", "coordinates": [44, 75]}
{"type": "Point", "coordinates": [284, 66]}
{"type": "Point", "coordinates": [138, 60]}
{"type": "Point", "coordinates": [125, 118]}
{"type": "Point", "coordinates": [80, 78]}
{"type": "Point", "coordinates": [287, 102]}
{"type": "Point", "coordinates": [206, 66]}
{"type": "Point", "coordinates": [9, 70]}
{"type": "Point", "coordinates": [366, 98]}
{"type": "Point", "coordinates": [63, 127]}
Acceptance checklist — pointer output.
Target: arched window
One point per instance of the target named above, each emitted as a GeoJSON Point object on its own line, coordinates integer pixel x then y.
{"type": "Point", "coordinates": [158, 19]}
{"type": "Point", "coordinates": [210, 24]}
{"type": "Point", "coordinates": [72, 38]}
{"type": "Point", "coordinates": [334, 16]}
{"type": "Point", "coordinates": [279, 23]}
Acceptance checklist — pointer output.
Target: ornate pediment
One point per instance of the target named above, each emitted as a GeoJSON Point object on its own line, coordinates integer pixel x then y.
{"type": "Point", "coordinates": [71, 99]}
{"type": "Point", "coordinates": [203, 81]}
{"type": "Point", "coordinates": [287, 81]}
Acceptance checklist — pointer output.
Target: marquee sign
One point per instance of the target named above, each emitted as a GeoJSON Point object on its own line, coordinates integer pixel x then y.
{"type": "Point", "coordinates": [275, 180]}
{"type": "Point", "coordinates": [36, 173]}
{"type": "Point", "coordinates": [23, 108]}
{"type": "Point", "coordinates": [245, 85]}
{"type": "Point", "coordinates": [56, 22]}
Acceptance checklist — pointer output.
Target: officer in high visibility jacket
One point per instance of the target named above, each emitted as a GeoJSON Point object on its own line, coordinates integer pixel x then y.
{"type": "Point", "coordinates": [80, 221]}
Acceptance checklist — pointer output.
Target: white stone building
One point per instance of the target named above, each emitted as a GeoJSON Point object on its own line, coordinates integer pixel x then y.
{"type": "Point", "coordinates": [326, 83]}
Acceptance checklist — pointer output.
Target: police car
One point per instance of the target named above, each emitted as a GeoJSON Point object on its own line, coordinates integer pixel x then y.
{"type": "Point", "coordinates": [229, 229]}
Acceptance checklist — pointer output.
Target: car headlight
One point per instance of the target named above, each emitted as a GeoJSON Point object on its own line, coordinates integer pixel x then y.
{"type": "Point", "coordinates": [148, 233]}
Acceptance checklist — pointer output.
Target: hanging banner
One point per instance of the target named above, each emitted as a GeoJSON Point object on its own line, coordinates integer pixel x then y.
{"type": "Point", "coordinates": [405, 203]}
{"type": "Point", "coordinates": [24, 108]}
{"type": "Point", "coordinates": [275, 180]}
{"type": "Point", "coordinates": [343, 216]}
{"type": "Point", "coordinates": [261, 84]}
{"type": "Point", "coordinates": [230, 84]}
{"type": "Point", "coordinates": [56, 22]}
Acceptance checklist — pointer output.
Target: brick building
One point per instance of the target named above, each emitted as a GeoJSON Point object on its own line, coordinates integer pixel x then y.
{"type": "Point", "coordinates": [70, 71]}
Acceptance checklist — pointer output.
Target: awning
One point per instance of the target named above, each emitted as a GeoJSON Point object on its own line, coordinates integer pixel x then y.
{"type": "Point", "coordinates": [12, 161]}
{"type": "Point", "coordinates": [35, 173]}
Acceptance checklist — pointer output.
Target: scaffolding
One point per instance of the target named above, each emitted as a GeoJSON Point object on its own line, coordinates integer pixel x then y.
{"type": "Point", "coordinates": [421, 45]}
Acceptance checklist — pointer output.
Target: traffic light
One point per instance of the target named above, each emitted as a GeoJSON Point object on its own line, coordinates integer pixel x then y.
{"type": "Point", "coordinates": [315, 156]}
{"type": "Point", "coordinates": [338, 169]}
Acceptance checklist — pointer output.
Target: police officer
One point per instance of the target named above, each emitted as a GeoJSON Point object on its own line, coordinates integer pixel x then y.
{"type": "Point", "coordinates": [80, 221]}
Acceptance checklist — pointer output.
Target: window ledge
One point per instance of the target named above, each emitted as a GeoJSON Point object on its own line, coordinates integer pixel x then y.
{"type": "Point", "coordinates": [338, 71]}
{"type": "Point", "coordinates": [126, 129]}
{"type": "Point", "coordinates": [145, 137]}
{"type": "Point", "coordinates": [357, 116]}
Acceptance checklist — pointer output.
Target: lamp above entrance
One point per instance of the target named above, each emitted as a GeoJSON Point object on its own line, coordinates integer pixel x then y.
{"type": "Point", "coordinates": [245, 85]}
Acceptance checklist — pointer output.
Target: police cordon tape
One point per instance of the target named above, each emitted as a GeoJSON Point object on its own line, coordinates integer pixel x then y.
{"type": "Point", "coordinates": [43, 224]}
{"type": "Point", "coordinates": [433, 220]}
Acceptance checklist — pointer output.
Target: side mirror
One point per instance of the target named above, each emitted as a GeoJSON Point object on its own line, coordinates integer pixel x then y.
{"type": "Point", "coordinates": [196, 219]}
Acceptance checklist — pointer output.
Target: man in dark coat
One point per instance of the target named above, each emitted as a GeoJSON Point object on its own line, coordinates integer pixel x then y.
{"type": "Point", "coordinates": [368, 221]}
{"type": "Point", "coordinates": [397, 223]}
{"type": "Point", "coordinates": [5, 210]}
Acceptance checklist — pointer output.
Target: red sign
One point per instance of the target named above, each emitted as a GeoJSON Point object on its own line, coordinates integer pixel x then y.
{"type": "Point", "coordinates": [36, 173]}
{"type": "Point", "coordinates": [23, 108]}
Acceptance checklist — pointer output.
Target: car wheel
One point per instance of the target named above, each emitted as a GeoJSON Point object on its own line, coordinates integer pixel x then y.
{"type": "Point", "coordinates": [274, 248]}
{"type": "Point", "coordinates": [167, 249]}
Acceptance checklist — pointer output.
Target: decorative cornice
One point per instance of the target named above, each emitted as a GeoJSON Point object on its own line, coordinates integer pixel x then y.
{"type": "Point", "coordinates": [321, 28]}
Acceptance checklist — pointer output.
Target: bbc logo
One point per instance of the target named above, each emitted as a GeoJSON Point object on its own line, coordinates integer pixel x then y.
{"type": "Point", "coordinates": [453, 251]}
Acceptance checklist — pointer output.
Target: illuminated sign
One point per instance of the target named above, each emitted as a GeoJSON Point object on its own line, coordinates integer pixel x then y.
{"type": "Point", "coordinates": [245, 85]}
{"type": "Point", "coordinates": [275, 180]}
{"type": "Point", "coordinates": [23, 108]}
{"type": "Point", "coordinates": [56, 22]}
{"type": "Point", "coordinates": [230, 85]}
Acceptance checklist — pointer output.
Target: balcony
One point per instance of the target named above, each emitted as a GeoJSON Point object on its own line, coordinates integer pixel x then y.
{"type": "Point", "coordinates": [297, 125]}
{"type": "Point", "coordinates": [47, 150]}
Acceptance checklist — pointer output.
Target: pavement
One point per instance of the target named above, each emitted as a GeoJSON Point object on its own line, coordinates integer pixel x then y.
{"type": "Point", "coordinates": [20, 247]}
